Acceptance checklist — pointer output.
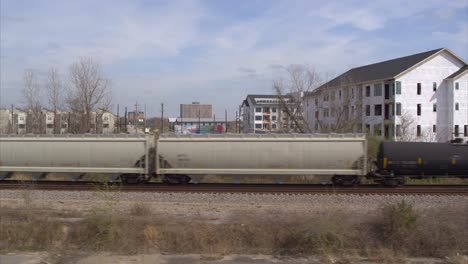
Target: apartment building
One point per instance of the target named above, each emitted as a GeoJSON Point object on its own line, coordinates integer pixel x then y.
{"type": "Point", "coordinates": [264, 113]}
{"type": "Point", "coordinates": [421, 97]}
{"type": "Point", "coordinates": [47, 122]}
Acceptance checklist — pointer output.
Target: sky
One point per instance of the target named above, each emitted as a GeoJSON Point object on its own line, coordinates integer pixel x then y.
{"type": "Point", "coordinates": [214, 51]}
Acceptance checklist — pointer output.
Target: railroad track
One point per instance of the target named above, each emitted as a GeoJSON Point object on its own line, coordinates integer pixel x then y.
{"type": "Point", "coordinates": [238, 188]}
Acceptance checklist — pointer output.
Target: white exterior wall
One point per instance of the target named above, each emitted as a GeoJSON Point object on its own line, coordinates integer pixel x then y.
{"type": "Point", "coordinates": [434, 70]}
{"type": "Point", "coordinates": [5, 121]}
{"type": "Point", "coordinates": [437, 69]}
{"type": "Point", "coordinates": [460, 116]}
{"type": "Point", "coordinates": [21, 122]}
{"type": "Point", "coordinates": [249, 115]}
{"type": "Point", "coordinates": [49, 122]}
{"type": "Point", "coordinates": [108, 123]}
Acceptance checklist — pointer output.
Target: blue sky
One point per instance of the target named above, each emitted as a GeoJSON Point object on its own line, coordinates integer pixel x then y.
{"type": "Point", "coordinates": [215, 51]}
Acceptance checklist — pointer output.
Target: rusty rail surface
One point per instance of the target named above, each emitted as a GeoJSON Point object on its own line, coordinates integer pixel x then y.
{"type": "Point", "coordinates": [238, 188]}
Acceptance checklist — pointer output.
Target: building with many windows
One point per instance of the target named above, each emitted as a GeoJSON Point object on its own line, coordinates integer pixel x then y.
{"type": "Point", "coordinates": [421, 97]}
{"type": "Point", "coordinates": [264, 113]}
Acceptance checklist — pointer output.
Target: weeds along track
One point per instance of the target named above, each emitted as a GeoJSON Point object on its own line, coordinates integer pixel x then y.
{"type": "Point", "coordinates": [239, 188]}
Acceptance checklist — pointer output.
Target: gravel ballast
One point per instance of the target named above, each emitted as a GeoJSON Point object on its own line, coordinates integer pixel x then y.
{"type": "Point", "coordinates": [220, 203]}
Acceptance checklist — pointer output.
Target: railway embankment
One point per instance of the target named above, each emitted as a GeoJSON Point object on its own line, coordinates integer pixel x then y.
{"type": "Point", "coordinates": [325, 228]}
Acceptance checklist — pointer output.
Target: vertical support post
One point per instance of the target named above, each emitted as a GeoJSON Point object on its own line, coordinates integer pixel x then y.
{"type": "Point", "coordinates": [236, 122]}
{"type": "Point", "coordinates": [118, 119]}
{"type": "Point", "coordinates": [225, 119]}
{"type": "Point", "coordinates": [12, 120]}
{"type": "Point", "coordinates": [125, 120]}
{"type": "Point", "coordinates": [144, 118]}
{"type": "Point", "coordinates": [162, 118]}
{"type": "Point", "coordinates": [199, 124]}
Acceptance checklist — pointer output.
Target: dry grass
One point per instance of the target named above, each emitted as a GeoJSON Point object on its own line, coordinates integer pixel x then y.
{"type": "Point", "coordinates": [387, 236]}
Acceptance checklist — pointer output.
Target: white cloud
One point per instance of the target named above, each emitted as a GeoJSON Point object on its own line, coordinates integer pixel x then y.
{"type": "Point", "coordinates": [176, 51]}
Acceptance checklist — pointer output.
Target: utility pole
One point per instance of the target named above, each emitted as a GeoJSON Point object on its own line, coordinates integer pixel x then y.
{"type": "Point", "coordinates": [118, 119]}
{"type": "Point", "coordinates": [12, 120]}
{"type": "Point", "coordinates": [135, 117]}
{"type": "Point", "coordinates": [199, 124]}
{"type": "Point", "coordinates": [236, 122]}
{"type": "Point", "coordinates": [162, 118]}
{"type": "Point", "coordinates": [125, 120]}
{"type": "Point", "coordinates": [144, 118]}
{"type": "Point", "coordinates": [225, 119]}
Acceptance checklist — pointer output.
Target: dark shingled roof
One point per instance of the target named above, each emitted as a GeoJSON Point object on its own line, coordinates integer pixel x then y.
{"type": "Point", "coordinates": [460, 71]}
{"type": "Point", "coordinates": [379, 71]}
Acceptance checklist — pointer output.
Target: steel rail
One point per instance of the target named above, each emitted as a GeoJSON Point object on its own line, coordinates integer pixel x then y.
{"type": "Point", "coordinates": [238, 188]}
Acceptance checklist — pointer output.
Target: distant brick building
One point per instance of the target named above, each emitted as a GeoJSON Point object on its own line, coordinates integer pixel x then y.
{"type": "Point", "coordinates": [196, 110]}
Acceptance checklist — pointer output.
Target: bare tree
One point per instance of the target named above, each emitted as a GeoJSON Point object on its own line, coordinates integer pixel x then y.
{"type": "Point", "coordinates": [54, 95]}
{"type": "Point", "coordinates": [405, 128]}
{"type": "Point", "coordinates": [301, 79]}
{"type": "Point", "coordinates": [339, 109]}
{"type": "Point", "coordinates": [89, 91]}
{"type": "Point", "coordinates": [32, 102]}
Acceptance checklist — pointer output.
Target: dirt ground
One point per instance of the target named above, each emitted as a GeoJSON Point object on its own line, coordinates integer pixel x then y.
{"type": "Point", "coordinates": [104, 258]}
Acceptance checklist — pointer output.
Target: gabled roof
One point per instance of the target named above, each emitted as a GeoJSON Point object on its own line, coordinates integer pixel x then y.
{"type": "Point", "coordinates": [458, 73]}
{"type": "Point", "coordinates": [383, 70]}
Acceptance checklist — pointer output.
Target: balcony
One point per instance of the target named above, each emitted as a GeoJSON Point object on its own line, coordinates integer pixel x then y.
{"type": "Point", "coordinates": [388, 122]}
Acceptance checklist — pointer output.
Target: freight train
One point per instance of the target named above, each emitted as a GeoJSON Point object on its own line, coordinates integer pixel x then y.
{"type": "Point", "coordinates": [178, 158]}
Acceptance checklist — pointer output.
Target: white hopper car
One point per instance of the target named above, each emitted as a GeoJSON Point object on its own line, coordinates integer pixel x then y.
{"type": "Point", "coordinates": [176, 158]}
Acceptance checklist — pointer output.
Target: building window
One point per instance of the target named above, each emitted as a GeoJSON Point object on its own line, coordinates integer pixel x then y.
{"type": "Point", "coordinates": [419, 88]}
{"type": "Point", "coordinates": [418, 130]}
{"type": "Point", "coordinates": [316, 101]}
{"type": "Point", "coordinates": [434, 128]}
{"type": "Point", "coordinates": [434, 86]}
{"type": "Point", "coordinates": [360, 92]}
{"type": "Point", "coordinates": [64, 126]}
{"type": "Point", "coordinates": [466, 131]}
{"type": "Point", "coordinates": [339, 94]}
{"type": "Point", "coordinates": [367, 91]}
{"type": "Point", "coordinates": [367, 110]}
{"type": "Point", "coordinates": [419, 109]}
{"type": "Point", "coordinates": [398, 109]}
{"type": "Point", "coordinates": [316, 114]}
{"type": "Point", "coordinates": [378, 110]}
{"type": "Point", "coordinates": [21, 126]}
{"type": "Point", "coordinates": [377, 130]}
{"type": "Point", "coordinates": [316, 127]}
{"type": "Point", "coordinates": [352, 93]}
{"type": "Point", "coordinates": [273, 109]}
{"type": "Point", "coordinates": [273, 126]}
{"type": "Point", "coordinates": [378, 89]}
{"type": "Point", "coordinates": [50, 126]}
{"type": "Point", "coordinates": [456, 132]}
{"type": "Point", "coordinates": [398, 130]}
{"type": "Point", "coordinates": [456, 107]}
{"type": "Point", "coordinates": [273, 118]}
{"type": "Point", "coordinates": [49, 118]}
{"type": "Point", "coordinates": [333, 95]}
{"type": "Point", "coordinates": [434, 108]}
{"type": "Point", "coordinates": [368, 128]}
{"type": "Point", "coordinates": [259, 118]}
{"type": "Point", "coordinates": [325, 112]}
{"type": "Point", "coordinates": [21, 118]}
{"type": "Point", "coordinates": [107, 125]}
{"type": "Point", "coordinates": [398, 87]}
{"type": "Point", "coordinates": [258, 109]}
{"type": "Point", "coordinates": [106, 118]}
{"type": "Point", "coordinates": [258, 125]}
{"type": "Point", "coordinates": [457, 86]}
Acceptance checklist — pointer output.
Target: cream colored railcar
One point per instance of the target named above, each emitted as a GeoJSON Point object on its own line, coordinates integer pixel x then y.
{"type": "Point", "coordinates": [340, 155]}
